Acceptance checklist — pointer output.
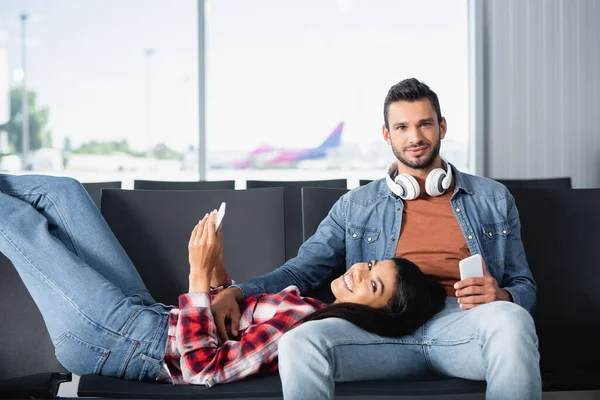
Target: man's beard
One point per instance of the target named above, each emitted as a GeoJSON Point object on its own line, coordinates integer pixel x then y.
{"type": "Point", "coordinates": [423, 163]}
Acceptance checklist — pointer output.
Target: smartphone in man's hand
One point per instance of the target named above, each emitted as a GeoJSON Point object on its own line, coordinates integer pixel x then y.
{"type": "Point", "coordinates": [471, 267]}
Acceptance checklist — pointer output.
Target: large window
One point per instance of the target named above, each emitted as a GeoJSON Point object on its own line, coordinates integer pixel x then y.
{"type": "Point", "coordinates": [283, 74]}
{"type": "Point", "coordinates": [112, 86]}
{"type": "Point", "coordinates": [294, 88]}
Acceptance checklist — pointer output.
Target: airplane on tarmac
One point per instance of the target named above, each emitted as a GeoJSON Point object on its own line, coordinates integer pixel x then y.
{"type": "Point", "coordinates": [268, 157]}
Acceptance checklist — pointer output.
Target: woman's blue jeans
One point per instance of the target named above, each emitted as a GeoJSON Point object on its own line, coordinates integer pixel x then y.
{"type": "Point", "coordinates": [100, 315]}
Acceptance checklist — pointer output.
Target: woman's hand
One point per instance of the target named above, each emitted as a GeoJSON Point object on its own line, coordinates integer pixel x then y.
{"type": "Point", "coordinates": [205, 252]}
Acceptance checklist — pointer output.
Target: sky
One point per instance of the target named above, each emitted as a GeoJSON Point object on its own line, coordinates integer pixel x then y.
{"type": "Point", "coordinates": [278, 72]}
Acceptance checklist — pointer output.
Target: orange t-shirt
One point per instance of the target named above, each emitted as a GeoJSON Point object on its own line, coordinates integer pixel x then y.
{"type": "Point", "coordinates": [431, 238]}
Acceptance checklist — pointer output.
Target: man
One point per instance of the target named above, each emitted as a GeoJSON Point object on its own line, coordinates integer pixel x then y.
{"type": "Point", "coordinates": [436, 219]}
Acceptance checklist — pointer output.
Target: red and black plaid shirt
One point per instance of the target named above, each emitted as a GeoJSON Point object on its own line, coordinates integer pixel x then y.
{"type": "Point", "coordinates": [193, 353]}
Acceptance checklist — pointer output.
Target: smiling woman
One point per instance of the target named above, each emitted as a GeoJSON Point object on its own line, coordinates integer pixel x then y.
{"type": "Point", "coordinates": [371, 284]}
{"type": "Point", "coordinates": [389, 298]}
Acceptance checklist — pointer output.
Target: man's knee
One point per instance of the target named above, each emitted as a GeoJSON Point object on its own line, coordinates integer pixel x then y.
{"type": "Point", "coordinates": [305, 367]}
{"type": "Point", "coordinates": [302, 352]}
{"type": "Point", "coordinates": [310, 339]}
{"type": "Point", "coordinates": [299, 340]}
{"type": "Point", "coordinates": [287, 344]}
{"type": "Point", "coordinates": [508, 322]}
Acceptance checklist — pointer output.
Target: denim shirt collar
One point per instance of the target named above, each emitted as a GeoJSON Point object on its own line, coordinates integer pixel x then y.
{"type": "Point", "coordinates": [460, 182]}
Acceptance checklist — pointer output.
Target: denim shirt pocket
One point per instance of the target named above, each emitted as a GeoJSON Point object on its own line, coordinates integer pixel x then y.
{"type": "Point", "coordinates": [361, 243]}
{"type": "Point", "coordinates": [495, 237]}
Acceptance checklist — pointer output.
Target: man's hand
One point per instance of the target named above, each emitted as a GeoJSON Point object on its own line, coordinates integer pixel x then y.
{"type": "Point", "coordinates": [473, 292]}
{"type": "Point", "coordinates": [205, 249]}
{"type": "Point", "coordinates": [225, 307]}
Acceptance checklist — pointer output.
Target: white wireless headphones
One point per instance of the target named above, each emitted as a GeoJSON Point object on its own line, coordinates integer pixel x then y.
{"type": "Point", "coordinates": [407, 188]}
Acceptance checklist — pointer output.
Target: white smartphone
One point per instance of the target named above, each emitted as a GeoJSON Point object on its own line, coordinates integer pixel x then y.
{"type": "Point", "coordinates": [220, 215]}
{"type": "Point", "coordinates": [471, 267]}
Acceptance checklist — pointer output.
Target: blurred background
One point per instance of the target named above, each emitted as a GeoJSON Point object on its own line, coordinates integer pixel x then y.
{"type": "Point", "coordinates": [188, 90]}
{"type": "Point", "coordinates": [293, 89]}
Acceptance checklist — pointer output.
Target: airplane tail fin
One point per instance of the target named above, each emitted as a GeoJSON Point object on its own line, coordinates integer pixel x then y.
{"type": "Point", "coordinates": [334, 139]}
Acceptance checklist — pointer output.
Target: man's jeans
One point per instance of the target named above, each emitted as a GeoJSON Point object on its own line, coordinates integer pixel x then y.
{"type": "Point", "coordinates": [100, 316]}
{"type": "Point", "coordinates": [495, 342]}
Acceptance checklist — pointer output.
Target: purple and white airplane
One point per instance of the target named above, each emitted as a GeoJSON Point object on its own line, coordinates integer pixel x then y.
{"type": "Point", "coordinates": [269, 157]}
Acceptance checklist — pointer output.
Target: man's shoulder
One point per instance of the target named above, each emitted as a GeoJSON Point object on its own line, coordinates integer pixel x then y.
{"type": "Point", "coordinates": [480, 185]}
{"type": "Point", "coordinates": [369, 193]}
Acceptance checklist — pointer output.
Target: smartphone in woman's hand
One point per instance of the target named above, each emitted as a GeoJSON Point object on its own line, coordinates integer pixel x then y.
{"type": "Point", "coordinates": [220, 215]}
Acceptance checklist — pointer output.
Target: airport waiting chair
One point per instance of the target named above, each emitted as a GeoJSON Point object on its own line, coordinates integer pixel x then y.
{"type": "Point", "coordinates": [99, 386]}
{"type": "Point", "coordinates": [269, 387]}
{"type": "Point", "coordinates": [190, 185]}
{"type": "Point", "coordinates": [94, 189]}
{"type": "Point", "coordinates": [154, 228]}
{"type": "Point", "coordinates": [316, 203]}
{"type": "Point", "coordinates": [28, 367]}
{"type": "Point", "coordinates": [560, 235]}
{"type": "Point", "coordinates": [293, 207]}
{"type": "Point", "coordinates": [162, 221]}
{"type": "Point", "coordinates": [550, 183]}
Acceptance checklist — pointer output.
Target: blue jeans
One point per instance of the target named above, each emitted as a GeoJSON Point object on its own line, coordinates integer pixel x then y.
{"type": "Point", "coordinates": [99, 314]}
{"type": "Point", "coordinates": [495, 342]}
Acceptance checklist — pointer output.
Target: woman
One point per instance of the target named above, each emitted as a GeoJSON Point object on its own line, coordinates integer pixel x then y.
{"type": "Point", "coordinates": [102, 320]}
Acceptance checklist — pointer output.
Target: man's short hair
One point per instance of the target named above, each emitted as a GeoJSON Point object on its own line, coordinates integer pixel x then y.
{"type": "Point", "coordinates": [410, 90]}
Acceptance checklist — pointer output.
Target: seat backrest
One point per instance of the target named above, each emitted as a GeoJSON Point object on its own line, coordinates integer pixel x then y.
{"type": "Point", "coordinates": [364, 182]}
{"type": "Point", "coordinates": [559, 229]}
{"type": "Point", "coordinates": [25, 345]}
{"type": "Point", "coordinates": [550, 183]}
{"type": "Point", "coordinates": [94, 189]}
{"type": "Point", "coordinates": [154, 228]}
{"type": "Point", "coordinates": [190, 185]}
{"type": "Point", "coordinates": [316, 203]}
{"type": "Point", "coordinates": [293, 207]}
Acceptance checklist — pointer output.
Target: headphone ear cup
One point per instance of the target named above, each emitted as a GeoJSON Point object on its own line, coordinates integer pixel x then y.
{"type": "Point", "coordinates": [447, 181]}
{"type": "Point", "coordinates": [433, 183]}
{"type": "Point", "coordinates": [409, 185]}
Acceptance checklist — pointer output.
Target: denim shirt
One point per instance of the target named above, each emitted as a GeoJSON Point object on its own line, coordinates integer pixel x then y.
{"type": "Point", "coordinates": [365, 223]}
